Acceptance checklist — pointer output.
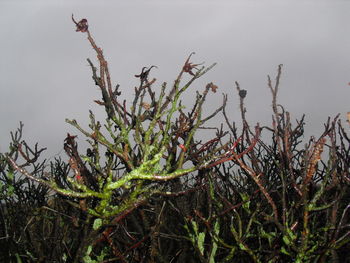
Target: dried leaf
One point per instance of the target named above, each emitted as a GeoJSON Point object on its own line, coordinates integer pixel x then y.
{"type": "Point", "coordinates": [188, 67]}
{"type": "Point", "coordinates": [100, 102]}
{"type": "Point", "coordinates": [242, 93]}
{"type": "Point", "coordinates": [212, 86]}
{"type": "Point", "coordinates": [82, 25]}
{"type": "Point", "coordinates": [145, 105]}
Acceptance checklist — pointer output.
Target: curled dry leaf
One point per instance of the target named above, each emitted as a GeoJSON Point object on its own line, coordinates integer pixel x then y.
{"type": "Point", "coordinates": [70, 139]}
{"type": "Point", "coordinates": [144, 73]}
{"type": "Point", "coordinates": [100, 102]}
{"type": "Point", "coordinates": [213, 87]}
{"type": "Point", "coordinates": [242, 93]}
{"type": "Point", "coordinates": [145, 105]}
{"type": "Point", "coordinates": [188, 67]}
{"type": "Point", "coordinates": [82, 25]}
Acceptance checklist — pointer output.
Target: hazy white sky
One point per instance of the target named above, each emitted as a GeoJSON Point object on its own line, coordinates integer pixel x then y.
{"type": "Point", "coordinates": [44, 76]}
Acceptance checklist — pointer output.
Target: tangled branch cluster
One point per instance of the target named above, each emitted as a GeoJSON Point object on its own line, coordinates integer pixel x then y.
{"type": "Point", "coordinates": [149, 190]}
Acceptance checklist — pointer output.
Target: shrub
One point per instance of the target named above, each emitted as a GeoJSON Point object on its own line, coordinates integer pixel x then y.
{"type": "Point", "coordinates": [149, 188]}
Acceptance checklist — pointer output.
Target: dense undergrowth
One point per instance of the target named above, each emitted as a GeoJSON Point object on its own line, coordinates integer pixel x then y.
{"type": "Point", "coordinates": [150, 189]}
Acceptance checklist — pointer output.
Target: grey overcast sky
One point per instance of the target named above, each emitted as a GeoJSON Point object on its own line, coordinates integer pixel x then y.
{"type": "Point", "coordinates": [44, 76]}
